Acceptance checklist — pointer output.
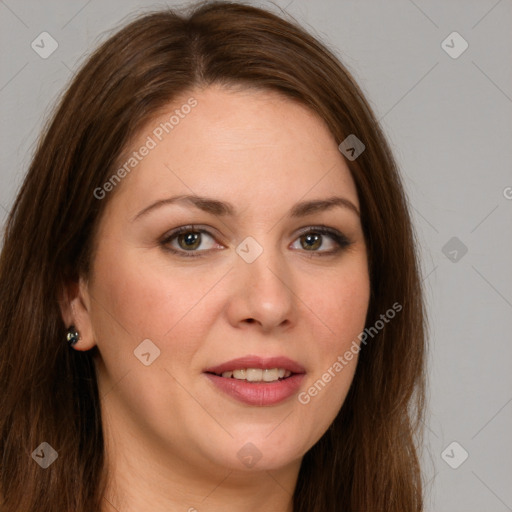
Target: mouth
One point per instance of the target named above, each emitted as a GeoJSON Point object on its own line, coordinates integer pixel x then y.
{"type": "Point", "coordinates": [257, 369]}
{"type": "Point", "coordinates": [256, 374]}
{"type": "Point", "coordinates": [255, 380]}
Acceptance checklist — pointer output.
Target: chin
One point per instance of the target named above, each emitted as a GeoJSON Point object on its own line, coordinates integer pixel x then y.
{"type": "Point", "coordinates": [259, 452]}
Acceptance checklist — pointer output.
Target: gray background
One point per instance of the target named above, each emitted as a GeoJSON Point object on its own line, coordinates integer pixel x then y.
{"type": "Point", "coordinates": [450, 125]}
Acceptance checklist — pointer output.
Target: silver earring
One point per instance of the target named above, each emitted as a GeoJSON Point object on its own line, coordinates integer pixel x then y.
{"type": "Point", "coordinates": [72, 335]}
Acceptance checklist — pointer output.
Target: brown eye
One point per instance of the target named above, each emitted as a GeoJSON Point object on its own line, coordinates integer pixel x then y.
{"type": "Point", "coordinates": [329, 240]}
{"type": "Point", "coordinates": [188, 241]}
{"type": "Point", "coordinates": [311, 241]}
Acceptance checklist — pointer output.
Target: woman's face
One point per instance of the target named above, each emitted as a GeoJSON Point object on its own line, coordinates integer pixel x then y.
{"type": "Point", "coordinates": [253, 279]}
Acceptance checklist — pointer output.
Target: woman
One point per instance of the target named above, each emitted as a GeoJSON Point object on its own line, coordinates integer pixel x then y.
{"type": "Point", "coordinates": [210, 296]}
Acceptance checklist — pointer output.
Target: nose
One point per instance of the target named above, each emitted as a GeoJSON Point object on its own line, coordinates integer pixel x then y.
{"type": "Point", "coordinates": [261, 293]}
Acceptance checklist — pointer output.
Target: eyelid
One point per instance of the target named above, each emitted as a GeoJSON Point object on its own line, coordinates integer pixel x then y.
{"type": "Point", "coordinates": [323, 229]}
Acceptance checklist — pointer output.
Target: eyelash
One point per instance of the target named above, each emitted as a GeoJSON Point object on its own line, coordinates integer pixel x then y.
{"type": "Point", "coordinates": [339, 238]}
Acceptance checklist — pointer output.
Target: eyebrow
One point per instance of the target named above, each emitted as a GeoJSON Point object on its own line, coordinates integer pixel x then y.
{"type": "Point", "coordinates": [221, 208]}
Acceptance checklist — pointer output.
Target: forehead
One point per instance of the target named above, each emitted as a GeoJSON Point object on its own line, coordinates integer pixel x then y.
{"type": "Point", "coordinates": [246, 146]}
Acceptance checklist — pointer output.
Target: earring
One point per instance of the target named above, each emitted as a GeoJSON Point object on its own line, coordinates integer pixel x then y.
{"type": "Point", "coordinates": [72, 335]}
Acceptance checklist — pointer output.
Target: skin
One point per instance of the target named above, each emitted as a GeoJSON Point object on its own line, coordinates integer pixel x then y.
{"type": "Point", "coordinates": [172, 437]}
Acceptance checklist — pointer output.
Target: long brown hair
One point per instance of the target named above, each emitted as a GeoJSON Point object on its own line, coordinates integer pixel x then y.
{"type": "Point", "coordinates": [368, 459]}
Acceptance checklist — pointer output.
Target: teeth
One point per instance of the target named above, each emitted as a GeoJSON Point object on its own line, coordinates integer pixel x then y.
{"type": "Point", "coordinates": [254, 374]}
{"type": "Point", "coordinates": [271, 375]}
{"type": "Point", "coordinates": [239, 374]}
{"type": "Point", "coordinates": [258, 374]}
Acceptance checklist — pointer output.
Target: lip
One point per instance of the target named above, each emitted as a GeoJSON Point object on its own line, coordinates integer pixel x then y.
{"type": "Point", "coordinates": [265, 363]}
{"type": "Point", "coordinates": [258, 393]}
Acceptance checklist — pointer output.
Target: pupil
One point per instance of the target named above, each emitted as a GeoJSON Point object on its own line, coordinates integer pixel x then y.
{"type": "Point", "coordinates": [312, 238]}
{"type": "Point", "coordinates": [191, 240]}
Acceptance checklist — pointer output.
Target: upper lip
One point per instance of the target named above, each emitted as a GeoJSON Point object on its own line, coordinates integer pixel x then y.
{"type": "Point", "coordinates": [257, 362]}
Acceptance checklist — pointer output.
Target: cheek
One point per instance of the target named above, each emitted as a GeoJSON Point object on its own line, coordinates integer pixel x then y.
{"type": "Point", "coordinates": [150, 300]}
{"type": "Point", "coordinates": [341, 305]}
{"type": "Point", "coordinates": [135, 301]}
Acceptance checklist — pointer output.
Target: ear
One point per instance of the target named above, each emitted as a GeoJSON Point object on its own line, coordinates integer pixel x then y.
{"type": "Point", "coordinates": [75, 310]}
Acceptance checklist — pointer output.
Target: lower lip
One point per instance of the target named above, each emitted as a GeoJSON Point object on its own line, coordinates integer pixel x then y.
{"type": "Point", "coordinates": [258, 393]}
